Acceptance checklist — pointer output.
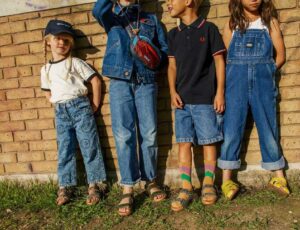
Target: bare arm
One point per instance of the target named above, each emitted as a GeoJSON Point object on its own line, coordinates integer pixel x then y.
{"type": "Point", "coordinates": [48, 95]}
{"type": "Point", "coordinates": [96, 86]}
{"type": "Point", "coordinates": [227, 35]}
{"type": "Point", "coordinates": [219, 103]}
{"type": "Point", "coordinates": [278, 43]}
{"type": "Point", "coordinates": [175, 98]}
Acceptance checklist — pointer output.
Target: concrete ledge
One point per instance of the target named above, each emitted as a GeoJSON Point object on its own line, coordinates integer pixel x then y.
{"type": "Point", "coordinates": [253, 175]}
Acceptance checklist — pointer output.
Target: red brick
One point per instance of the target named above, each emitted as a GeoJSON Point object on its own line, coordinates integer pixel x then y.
{"type": "Point", "coordinates": [20, 93]}
{"type": "Point", "coordinates": [30, 156]}
{"type": "Point", "coordinates": [8, 157]}
{"type": "Point", "coordinates": [30, 59]}
{"type": "Point", "coordinates": [7, 62]}
{"type": "Point", "coordinates": [51, 155]}
{"type": "Point", "coordinates": [14, 147]}
{"type": "Point", "coordinates": [30, 36]}
{"type": "Point", "coordinates": [44, 166]}
{"type": "Point", "coordinates": [34, 103]}
{"type": "Point", "coordinates": [30, 82]}
{"type": "Point", "coordinates": [17, 72]}
{"type": "Point", "coordinates": [43, 145]}
{"type": "Point", "coordinates": [5, 40]}
{"type": "Point", "coordinates": [46, 113]}
{"type": "Point", "coordinates": [49, 134]}
{"type": "Point", "coordinates": [12, 27]}
{"type": "Point", "coordinates": [11, 126]}
{"type": "Point", "coordinates": [18, 168]}
{"type": "Point", "coordinates": [21, 17]}
{"type": "Point", "coordinates": [27, 135]}
{"type": "Point", "coordinates": [9, 105]}
{"type": "Point", "coordinates": [6, 137]}
{"type": "Point", "coordinates": [14, 50]}
{"type": "Point", "coordinates": [4, 116]}
{"type": "Point", "coordinates": [39, 124]}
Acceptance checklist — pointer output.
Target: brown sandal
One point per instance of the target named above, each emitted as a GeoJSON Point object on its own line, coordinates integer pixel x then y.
{"type": "Point", "coordinates": [63, 196]}
{"type": "Point", "coordinates": [153, 195]}
{"type": "Point", "coordinates": [209, 191]}
{"type": "Point", "coordinates": [128, 205]}
{"type": "Point", "coordinates": [93, 195]}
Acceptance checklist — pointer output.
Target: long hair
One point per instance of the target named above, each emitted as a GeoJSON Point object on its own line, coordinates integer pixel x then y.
{"type": "Point", "coordinates": [238, 19]}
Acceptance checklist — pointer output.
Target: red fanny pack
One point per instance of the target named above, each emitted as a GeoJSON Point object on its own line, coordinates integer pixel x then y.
{"type": "Point", "coordinates": [144, 50]}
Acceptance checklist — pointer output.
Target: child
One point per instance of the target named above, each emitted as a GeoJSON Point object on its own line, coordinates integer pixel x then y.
{"type": "Point", "coordinates": [133, 92]}
{"type": "Point", "coordinates": [252, 32]}
{"type": "Point", "coordinates": [62, 79]}
{"type": "Point", "coordinates": [196, 77]}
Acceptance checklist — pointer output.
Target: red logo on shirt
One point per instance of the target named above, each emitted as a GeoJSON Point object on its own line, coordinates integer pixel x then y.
{"type": "Point", "coordinates": [202, 39]}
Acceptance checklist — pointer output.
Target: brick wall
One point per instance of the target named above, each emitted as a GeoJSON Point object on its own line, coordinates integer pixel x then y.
{"type": "Point", "coordinates": [27, 128]}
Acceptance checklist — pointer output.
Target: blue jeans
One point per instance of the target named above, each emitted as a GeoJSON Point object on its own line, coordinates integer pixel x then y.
{"type": "Point", "coordinates": [75, 121]}
{"type": "Point", "coordinates": [133, 111]}
{"type": "Point", "coordinates": [250, 83]}
{"type": "Point", "coordinates": [198, 124]}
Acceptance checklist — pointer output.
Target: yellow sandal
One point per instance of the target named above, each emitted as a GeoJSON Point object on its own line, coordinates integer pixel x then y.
{"type": "Point", "coordinates": [279, 184]}
{"type": "Point", "coordinates": [230, 189]}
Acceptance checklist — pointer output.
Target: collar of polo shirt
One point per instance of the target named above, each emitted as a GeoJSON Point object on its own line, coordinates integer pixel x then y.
{"type": "Point", "coordinates": [196, 24]}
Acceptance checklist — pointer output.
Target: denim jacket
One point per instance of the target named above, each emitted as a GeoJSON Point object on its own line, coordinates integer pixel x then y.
{"type": "Point", "coordinates": [118, 62]}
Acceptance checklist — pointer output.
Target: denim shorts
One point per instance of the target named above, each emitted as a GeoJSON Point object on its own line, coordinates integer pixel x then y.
{"type": "Point", "coordinates": [198, 124]}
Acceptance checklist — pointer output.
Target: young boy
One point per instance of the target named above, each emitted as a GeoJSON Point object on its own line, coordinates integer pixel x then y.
{"type": "Point", "coordinates": [196, 76]}
{"type": "Point", "coordinates": [133, 93]}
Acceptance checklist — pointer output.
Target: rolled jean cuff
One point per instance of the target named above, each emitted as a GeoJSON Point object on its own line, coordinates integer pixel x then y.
{"type": "Point", "coordinates": [129, 183]}
{"type": "Point", "coordinates": [222, 164]}
{"type": "Point", "coordinates": [280, 164]}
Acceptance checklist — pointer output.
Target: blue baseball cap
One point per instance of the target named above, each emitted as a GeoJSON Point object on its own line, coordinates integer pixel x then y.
{"type": "Point", "coordinates": [56, 27]}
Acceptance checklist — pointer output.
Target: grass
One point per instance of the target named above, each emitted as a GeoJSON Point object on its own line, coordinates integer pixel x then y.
{"type": "Point", "coordinates": [32, 206]}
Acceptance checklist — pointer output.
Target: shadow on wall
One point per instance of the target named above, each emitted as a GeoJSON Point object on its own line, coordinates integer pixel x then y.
{"type": "Point", "coordinates": [84, 49]}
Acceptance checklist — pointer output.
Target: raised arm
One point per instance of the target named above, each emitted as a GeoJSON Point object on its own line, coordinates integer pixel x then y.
{"type": "Point", "coordinates": [103, 12]}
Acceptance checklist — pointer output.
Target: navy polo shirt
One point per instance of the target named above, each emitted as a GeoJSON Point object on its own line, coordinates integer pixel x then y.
{"type": "Point", "coordinates": [193, 47]}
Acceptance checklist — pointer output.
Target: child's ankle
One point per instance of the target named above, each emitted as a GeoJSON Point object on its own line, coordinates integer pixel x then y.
{"type": "Point", "coordinates": [208, 180]}
{"type": "Point", "coordinates": [186, 185]}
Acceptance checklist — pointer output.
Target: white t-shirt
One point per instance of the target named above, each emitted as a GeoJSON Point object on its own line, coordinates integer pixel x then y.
{"type": "Point", "coordinates": [257, 24]}
{"type": "Point", "coordinates": [65, 79]}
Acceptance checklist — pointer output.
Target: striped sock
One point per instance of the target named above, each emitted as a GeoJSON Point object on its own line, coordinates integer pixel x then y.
{"type": "Point", "coordinates": [185, 175]}
{"type": "Point", "coordinates": [209, 175]}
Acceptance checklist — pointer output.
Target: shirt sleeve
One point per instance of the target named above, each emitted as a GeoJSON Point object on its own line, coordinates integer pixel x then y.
{"type": "Point", "coordinates": [171, 52]}
{"type": "Point", "coordinates": [45, 85]}
{"type": "Point", "coordinates": [85, 71]}
{"type": "Point", "coordinates": [216, 41]}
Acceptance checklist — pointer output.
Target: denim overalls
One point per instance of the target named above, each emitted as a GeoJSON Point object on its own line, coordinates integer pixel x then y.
{"type": "Point", "coordinates": [75, 122]}
{"type": "Point", "coordinates": [250, 82]}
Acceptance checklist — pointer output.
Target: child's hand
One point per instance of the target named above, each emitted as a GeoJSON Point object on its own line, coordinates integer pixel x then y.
{"type": "Point", "coordinates": [95, 108]}
{"type": "Point", "coordinates": [176, 101]}
{"type": "Point", "coordinates": [219, 103]}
